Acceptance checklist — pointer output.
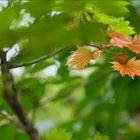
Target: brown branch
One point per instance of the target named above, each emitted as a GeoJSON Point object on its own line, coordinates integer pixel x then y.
{"type": "Point", "coordinates": [15, 95]}
{"type": "Point", "coordinates": [13, 102]}
{"type": "Point", "coordinates": [100, 47]}
{"type": "Point", "coordinates": [38, 60]}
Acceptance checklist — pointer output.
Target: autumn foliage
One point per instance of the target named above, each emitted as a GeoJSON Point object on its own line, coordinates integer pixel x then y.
{"type": "Point", "coordinates": [81, 57]}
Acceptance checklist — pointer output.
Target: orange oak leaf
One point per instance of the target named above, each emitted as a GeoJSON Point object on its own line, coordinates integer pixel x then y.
{"type": "Point", "coordinates": [95, 53]}
{"type": "Point", "coordinates": [118, 39]}
{"type": "Point", "coordinates": [135, 44]}
{"type": "Point", "coordinates": [121, 57]}
{"type": "Point", "coordinates": [131, 67]}
{"type": "Point", "coordinates": [81, 57]}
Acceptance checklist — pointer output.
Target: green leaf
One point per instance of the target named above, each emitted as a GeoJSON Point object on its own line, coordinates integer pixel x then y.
{"type": "Point", "coordinates": [58, 135]}
{"type": "Point", "coordinates": [118, 24]}
{"type": "Point", "coordinates": [7, 15]}
{"type": "Point", "coordinates": [10, 132]}
{"type": "Point", "coordinates": [8, 36]}
{"type": "Point", "coordinates": [38, 8]}
{"type": "Point", "coordinates": [98, 136]}
{"type": "Point", "coordinates": [110, 7]}
{"type": "Point", "coordinates": [123, 27]}
{"type": "Point", "coordinates": [31, 91]}
{"type": "Point", "coordinates": [89, 31]}
{"type": "Point", "coordinates": [39, 66]}
{"type": "Point", "coordinates": [104, 18]}
{"type": "Point", "coordinates": [52, 33]}
{"type": "Point", "coordinates": [7, 132]}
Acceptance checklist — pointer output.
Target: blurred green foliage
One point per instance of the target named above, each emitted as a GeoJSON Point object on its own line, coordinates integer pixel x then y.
{"type": "Point", "coordinates": [95, 103]}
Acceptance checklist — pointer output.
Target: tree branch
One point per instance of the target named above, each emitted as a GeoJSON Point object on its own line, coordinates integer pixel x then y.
{"type": "Point", "coordinates": [11, 120]}
{"type": "Point", "coordinates": [54, 53]}
{"type": "Point", "coordinates": [37, 60]}
{"type": "Point", "coordinates": [15, 105]}
{"type": "Point", "coordinates": [7, 118]}
{"type": "Point", "coordinates": [100, 47]}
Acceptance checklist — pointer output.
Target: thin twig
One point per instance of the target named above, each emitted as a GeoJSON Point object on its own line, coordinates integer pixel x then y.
{"type": "Point", "coordinates": [104, 49]}
{"type": "Point", "coordinates": [38, 60]}
{"type": "Point", "coordinates": [47, 100]}
{"type": "Point", "coordinates": [7, 118]}
{"type": "Point", "coordinates": [100, 47]}
{"type": "Point", "coordinates": [11, 121]}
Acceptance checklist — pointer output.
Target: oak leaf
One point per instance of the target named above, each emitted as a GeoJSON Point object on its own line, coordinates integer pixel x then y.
{"type": "Point", "coordinates": [81, 57]}
{"type": "Point", "coordinates": [131, 67]}
{"type": "Point", "coordinates": [135, 44]}
{"type": "Point", "coordinates": [118, 39]}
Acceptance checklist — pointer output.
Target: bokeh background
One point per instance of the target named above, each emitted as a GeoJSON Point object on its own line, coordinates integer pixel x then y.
{"type": "Point", "coordinates": [95, 103]}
